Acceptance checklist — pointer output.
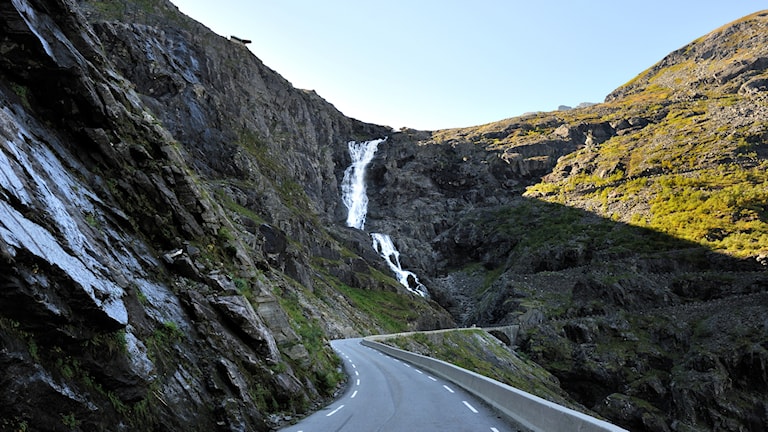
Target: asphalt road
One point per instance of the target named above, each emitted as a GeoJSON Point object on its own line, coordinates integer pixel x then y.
{"type": "Point", "coordinates": [387, 395]}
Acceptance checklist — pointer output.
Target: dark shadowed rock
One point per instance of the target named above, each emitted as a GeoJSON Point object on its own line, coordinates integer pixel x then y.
{"type": "Point", "coordinates": [173, 255]}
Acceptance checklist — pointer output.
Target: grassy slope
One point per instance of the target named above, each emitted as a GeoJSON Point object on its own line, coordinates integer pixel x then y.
{"type": "Point", "coordinates": [480, 352]}
{"type": "Point", "coordinates": [698, 170]}
{"type": "Point", "coordinates": [628, 225]}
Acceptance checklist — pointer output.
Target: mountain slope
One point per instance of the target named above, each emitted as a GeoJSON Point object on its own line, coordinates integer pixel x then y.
{"type": "Point", "coordinates": [699, 170]}
{"type": "Point", "coordinates": [628, 238]}
{"type": "Point", "coordinates": [173, 252]}
{"type": "Point", "coordinates": [168, 257]}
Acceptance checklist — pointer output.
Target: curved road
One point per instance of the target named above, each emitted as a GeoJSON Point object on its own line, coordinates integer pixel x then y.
{"type": "Point", "coordinates": [385, 394]}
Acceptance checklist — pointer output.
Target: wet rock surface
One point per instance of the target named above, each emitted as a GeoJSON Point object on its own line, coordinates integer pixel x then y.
{"type": "Point", "coordinates": [173, 254]}
{"type": "Point", "coordinates": [151, 224]}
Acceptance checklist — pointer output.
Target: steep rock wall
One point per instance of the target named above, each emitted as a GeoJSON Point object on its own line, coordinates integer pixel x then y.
{"type": "Point", "coordinates": [169, 243]}
{"type": "Point", "coordinates": [134, 296]}
{"type": "Point", "coordinates": [615, 235]}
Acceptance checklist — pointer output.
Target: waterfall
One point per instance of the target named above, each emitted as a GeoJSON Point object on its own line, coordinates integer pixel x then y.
{"type": "Point", "coordinates": [382, 243]}
{"type": "Point", "coordinates": [353, 185]}
{"type": "Point", "coordinates": [354, 196]}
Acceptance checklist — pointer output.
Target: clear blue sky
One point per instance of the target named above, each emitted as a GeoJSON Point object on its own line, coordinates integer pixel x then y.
{"type": "Point", "coordinates": [433, 64]}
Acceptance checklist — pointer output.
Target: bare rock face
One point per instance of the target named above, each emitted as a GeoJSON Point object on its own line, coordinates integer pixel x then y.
{"type": "Point", "coordinates": [232, 113]}
{"type": "Point", "coordinates": [172, 255]}
{"type": "Point", "coordinates": [584, 226]}
{"type": "Point", "coordinates": [239, 312]}
{"type": "Point", "coordinates": [166, 217]}
{"type": "Point", "coordinates": [96, 331]}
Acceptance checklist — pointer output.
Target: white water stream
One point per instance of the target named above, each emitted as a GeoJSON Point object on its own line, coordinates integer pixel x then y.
{"type": "Point", "coordinates": [382, 243]}
{"type": "Point", "coordinates": [353, 185]}
{"type": "Point", "coordinates": [353, 194]}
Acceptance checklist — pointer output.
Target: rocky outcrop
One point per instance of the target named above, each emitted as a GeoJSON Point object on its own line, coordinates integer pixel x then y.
{"type": "Point", "coordinates": [158, 240]}
{"type": "Point", "coordinates": [734, 51]}
{"type": "Point", "coordinates": [93, 324]}
{"type": "Point", "coordinates": [700, 365]}
{"type": "Point", "coordinates": [173, 255]}
{"type": "Point", "coordinates": [567, 223]}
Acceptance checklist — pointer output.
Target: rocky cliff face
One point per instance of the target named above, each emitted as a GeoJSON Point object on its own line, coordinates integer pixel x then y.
{"type": "Point", "coordinates": [173, 255]}
{"type": "Point", "coordinates": [165, 251]}
{"type": "Point", "coordinates": [628, 238]}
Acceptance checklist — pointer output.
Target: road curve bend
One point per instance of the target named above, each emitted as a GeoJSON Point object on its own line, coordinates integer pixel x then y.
{"type": "Point", "coordinates": [388, 395]}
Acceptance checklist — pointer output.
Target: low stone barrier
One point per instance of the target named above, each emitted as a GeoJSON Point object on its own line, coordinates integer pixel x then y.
{"type": "Point", "coordinates": [533, 412]}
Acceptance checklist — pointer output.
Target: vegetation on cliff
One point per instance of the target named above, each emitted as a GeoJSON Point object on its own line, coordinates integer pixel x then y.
{"type": "Point", "coordinates": [609, 232]}
{"type": "Point", "coordinates": [168, 253]}
{"type": "Point", "coordinates": [173, 252]}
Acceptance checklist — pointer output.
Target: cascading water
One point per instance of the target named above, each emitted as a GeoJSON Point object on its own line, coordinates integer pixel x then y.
{"type": "Point", "coordinates": [353, 185]}
{"type": "Point", "coordinates": [356, 200]}
{"type": "Point", "coordinates": [382, 243]}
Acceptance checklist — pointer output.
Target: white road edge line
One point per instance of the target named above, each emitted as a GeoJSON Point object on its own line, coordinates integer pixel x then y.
{"type": "Point", "coordinates": [448, 388]}
{"type": "Point", "coordinates": [471, 408]}
{"type": "Point", "coordinates": [334, 411]}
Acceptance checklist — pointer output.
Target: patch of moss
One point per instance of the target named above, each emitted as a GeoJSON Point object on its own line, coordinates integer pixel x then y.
{"type": "Point", "coordinates": [23, 93]}
{"type": "Point", "coordinates": [540, 227]}
{"type": "Point", "coordinates": [723, 209]}
{"type": "Point", "coordinates": [392, 311]}
{"type": "Point", "coordinates": [324, 371]}
{"type": "Point", "coordinates": [228, 203]}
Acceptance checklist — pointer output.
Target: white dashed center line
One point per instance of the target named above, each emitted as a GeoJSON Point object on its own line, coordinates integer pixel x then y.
{"type": "Point", "coordinates": [357, 373]}
{"type": "Point", "coordinates": [494, 430]}
{"type": "Point", "coordinates": [358, 382]}
{"type": "Point", "coordinates": [355, 394]}
{"type": "Point", "coordinates": [471, 408]}
{"type": "Point", "coordinates": [449, 389]}
{"type": "Point", "coordinates": [334, 411]}
{"type": "Point", "coordinates": [432, 378]}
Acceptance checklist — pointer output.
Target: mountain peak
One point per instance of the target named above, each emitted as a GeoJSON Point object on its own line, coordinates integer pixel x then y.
{"type": "Point", "coordinates": [173, 253]}
{"type": "Point", "coordinates": [733, 56]}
